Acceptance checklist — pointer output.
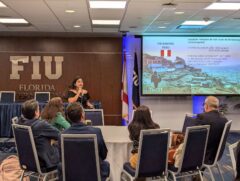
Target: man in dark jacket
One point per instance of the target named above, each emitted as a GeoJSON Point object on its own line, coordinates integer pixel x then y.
{"type": "Point", "coordinates": [75, 114]}
{"type": "Point", "coordinates": [217, 121]}
{"type": "Point", "coordinates": [43, 134]}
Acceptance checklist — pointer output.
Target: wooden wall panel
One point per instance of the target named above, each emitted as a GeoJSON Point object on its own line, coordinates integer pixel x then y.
{"type": "Point", "coordinates": [96, 60]}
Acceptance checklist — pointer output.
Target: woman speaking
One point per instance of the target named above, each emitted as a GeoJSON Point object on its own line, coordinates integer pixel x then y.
{"type": "Point", "coordinates": [76, 93]}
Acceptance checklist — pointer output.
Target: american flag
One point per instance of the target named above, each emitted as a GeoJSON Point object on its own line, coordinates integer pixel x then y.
{"type": "Point", "coordinates": [124, 93]}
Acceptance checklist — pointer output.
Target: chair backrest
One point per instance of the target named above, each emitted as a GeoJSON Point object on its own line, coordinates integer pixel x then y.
{"type": "Point", "coordinates": [80, 157]}
{"type": "Point", "coordinates": [14, 120]}
{"type": "Point", "coordinates": [7, 96]}
{"type": "Point", "coordinates": [194, 148]}
{"type": "Point", "coordinates": [233, 150]}
{"type": "Point", "coordinates": [188, 121]}
{"type": "Point", "coordinates": [153, 153]}
{"type": "Point", "coordinates": [95, 115]}
{"type": "Point", "coordinates": [26, 148]}
{"type": "Point", "coordinates": [223, 141]}
{"type": "Point", "coordinates": [42, 96]}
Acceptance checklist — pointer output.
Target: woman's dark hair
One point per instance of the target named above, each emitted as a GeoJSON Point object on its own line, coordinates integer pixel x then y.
{"type": "Point", "coordinates": [50, 111]}
{"type": "Point", "coordinates": [73, 84]}
{"type": "Point", "coordinates": [141, 120]}
{"type": "Point", "coordinates": [29, 108]}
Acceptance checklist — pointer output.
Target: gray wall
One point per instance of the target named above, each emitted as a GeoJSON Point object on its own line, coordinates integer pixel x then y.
{"type": "Point", "coordinates": [169, 112]}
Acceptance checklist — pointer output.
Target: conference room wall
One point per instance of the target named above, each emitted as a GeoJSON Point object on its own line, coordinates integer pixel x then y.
{"type": "Point", "coordinates": [169, 111]}
{"type": "Point", "coordinates": [96, 60]}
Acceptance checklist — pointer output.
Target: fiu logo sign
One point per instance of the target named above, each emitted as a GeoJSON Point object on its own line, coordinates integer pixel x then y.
{"type": "Point", "coordinates": [16, 68]}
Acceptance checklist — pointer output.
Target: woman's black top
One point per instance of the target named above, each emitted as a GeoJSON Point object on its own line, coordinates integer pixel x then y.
{"type": "Point", "coordinates": [81, 99]}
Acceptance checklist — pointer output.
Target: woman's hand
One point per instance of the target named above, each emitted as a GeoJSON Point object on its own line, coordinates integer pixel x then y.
{"type": "Point", "coordinates": [79, 91]}
{"type": "Point", "coordinates": [90, 105]}
{"type": "Point", "coordinates": [84, 91]}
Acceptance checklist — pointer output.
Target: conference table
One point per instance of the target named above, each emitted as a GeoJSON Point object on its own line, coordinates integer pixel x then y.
{"type": "Point", "coordinates": [119, 148]}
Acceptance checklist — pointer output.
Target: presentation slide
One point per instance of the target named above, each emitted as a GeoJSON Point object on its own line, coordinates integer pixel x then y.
{"type": "Point", "coordinates": [190, 65]}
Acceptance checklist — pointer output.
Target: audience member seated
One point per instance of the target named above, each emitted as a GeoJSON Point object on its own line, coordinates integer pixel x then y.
{"type": "Point", "coordinates": [43, 134]}
{"type": "Point", "coordinates": [141, 120]}
{"type": "Point", "coordinates": [217, 121]}
{"type": "Point", "coordinates": [76, 93]}
{"type": "Point", "coordinates": [175, 151]}
{"type": "Point", "coordinates": [53, 112]}
{"type": "Point", "coordinates": [238, 162]}
{"type": "Point", "coordinates": [75, 114]}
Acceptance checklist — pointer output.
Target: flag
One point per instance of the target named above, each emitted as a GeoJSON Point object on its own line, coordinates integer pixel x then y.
{"type": "Point", "coordinates": [135, 93]}
{"type": "Point", "coordinates": [124, 93]}
{"type": "Point", "coordinates": [164, 53]}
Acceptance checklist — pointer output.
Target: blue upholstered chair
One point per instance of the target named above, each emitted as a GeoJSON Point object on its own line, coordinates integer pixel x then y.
{"type": "Point", "coordinates": [220, 151]}
{"type": "Point", "coordinates": [193, 153]}
{"type": "Point", "coordinates": [80, 160]}
{"type": "Point", "coordinates": [95, 115]}
{"type": "Point", "coordinates": [7, 96]}
{"type": "Point", "coordinates": [233, 148]}
{"type": "Point", "coordinates": [27, 153]}
{"type": "Point", "coordinates": [42, 96]}
{"type": "Point", "coordinates": [152, 155]}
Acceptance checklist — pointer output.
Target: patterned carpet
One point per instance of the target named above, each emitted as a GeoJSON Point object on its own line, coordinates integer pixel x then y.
{"type": "Point", "coordinates": [225, 162]}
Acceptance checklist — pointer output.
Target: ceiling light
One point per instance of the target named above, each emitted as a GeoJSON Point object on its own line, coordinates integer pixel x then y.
{"type": "Point", "coordinates": [76, 26]}
{"type": "Point", "coordinates": [2, 5]}
{"type": "Point", "coordinates": [13, 20]}
{"type": "Point", "coordinates": [197, 23]}
{"type": "Point", "coordinates": [69, 11]}
{"type": "Point", "coordinates": [162, 27]}
{"type": "Point", "coordinates": [108, 4]}
{"type": "Point", "coordinates": [191, 27]}
{"type": "Point", "coordinates": [223, 6]}
{"type": "Point", "coordinates": [106, 22]}
{"type": "Point", "coordinates": [179, 12]}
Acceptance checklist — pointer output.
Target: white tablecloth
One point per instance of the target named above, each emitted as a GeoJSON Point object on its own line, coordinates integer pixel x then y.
{"type": "Point", "coordinates": [119, 148]}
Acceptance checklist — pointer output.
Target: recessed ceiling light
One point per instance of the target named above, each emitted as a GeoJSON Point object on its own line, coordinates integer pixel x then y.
{"type": "Point", "coordinates": [13, 21]}
{"type": "Point", "coordinates": [223, 6]}
{"type": "Point", "coordinates": [162, 27]}
{"type": "Point", "coordinates": [108, 4]}
{"type": "Point", "coordinates": [179, 12]}
{"type": "Point", "coordinates": [2, 5]}
{"type": "Point", "coordinates": [69, 11]}
{"type": "Point", "coordinates": [191, 27]}
{"type": "Point", "coordinates": [166, 23]}
{"type": "Point", "coordinates": [204, 23]}
{"type": "Point", "coordinates": [106, 22]}
{"type": "Point", "coordinates": [76, 26]}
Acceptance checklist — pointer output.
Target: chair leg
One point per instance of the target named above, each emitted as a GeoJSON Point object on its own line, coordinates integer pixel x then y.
{"type": "Point", "coordinates": [165, 177]}
{"type": "Point", "coordinates": [219, 170]}
{"type": "Point", "coordinates": [22, 176]}
{"type": "Point", "coordinates": [45, 177]}
{"type": "Point", "coordinates": [173, 176]}
{"type": "Point", "coordinates": [127, 176]}
{"type": "Point", "coordinates": [200, 175]}
{"type": "Point", "coordinates": [210, 172]}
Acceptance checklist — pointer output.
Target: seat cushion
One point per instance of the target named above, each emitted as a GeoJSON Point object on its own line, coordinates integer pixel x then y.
{"type": "Point", "coordinates": [127, 167]}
